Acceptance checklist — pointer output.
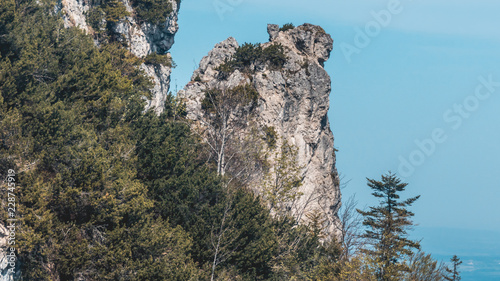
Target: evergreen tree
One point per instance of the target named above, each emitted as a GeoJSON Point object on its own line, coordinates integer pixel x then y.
{"type": "Point", "coordinates": [453, 274]}
{"type": "Point", "coordinates": [388, 224]}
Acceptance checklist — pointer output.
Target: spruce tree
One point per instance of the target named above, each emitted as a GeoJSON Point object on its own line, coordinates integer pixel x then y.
{"type": "Point", "coordinates": [388, 224]}
{"type": "Point", "coordinates": [454, 274]}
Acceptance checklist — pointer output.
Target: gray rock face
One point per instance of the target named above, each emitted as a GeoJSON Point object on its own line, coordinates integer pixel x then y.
{"type": "Point", "coordinates": [294, 100]}
{"type": "Point", "coordinates": [74, 14]}
{"type": "Point", "coordinates": [160, 75]}
{"type": "Point", "coordinates": [221, 52]}
{"type": "Point", "coordinates": [147, 38]}
{"type": "Point", "coordinates": [273, 30]}
{"type": "Point", "coordinates": [143, 39]}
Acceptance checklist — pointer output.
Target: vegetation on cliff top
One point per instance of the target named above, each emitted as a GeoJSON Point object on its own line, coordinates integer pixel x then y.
{"type": "Point", "coordinates": [157, 59]}
{"type": "Point", "coordinates": [103, 15]}
{"type": "Point", "coordinates": [249, 55]}
{"type": "Point", "coordinates": [287, 26]}
{"type": "Point", "coordinates": [152, 11]}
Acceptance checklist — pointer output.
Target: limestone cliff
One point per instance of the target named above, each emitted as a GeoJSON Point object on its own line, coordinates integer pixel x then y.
{"type": "Point", "coordinates": [141, 37]}
{"type": "Point", "coordinates": [293, 99]}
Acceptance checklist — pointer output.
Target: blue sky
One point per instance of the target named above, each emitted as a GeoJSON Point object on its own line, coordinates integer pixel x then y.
{"type": "Point", "coordinates": [415, 82]}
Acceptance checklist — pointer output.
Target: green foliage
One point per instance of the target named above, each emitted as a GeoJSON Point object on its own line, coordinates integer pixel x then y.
{"type": "Point", "coordinates": [247, 94]}
{"type": "Point", "coordinates": [387, 228]}
{"type": "Point", "coordinates": [7, 18]}
{"type": "Point", "coordinates": [211, 100]}
{"type": "Point", "coordinates": [171, 163]}
{"type": "Point", "coordinates": [282, 182]}
{"type": "Point", "coordinates": [312, 28]}
{"type": "Point", "coordinates": [67, 116]}
{"type": "Point", "coordinates": [249, 239]}
{"type": "Point", "coordinates": [422, 267]}
{"type": "Point", "coordinates": [104, 16]}
{"type": "Point", "coordinates": [270, 136]}
{"type": "Point", "coordinates": [301, 256]}
{"type": "Point", "coordinates": [156, 59]}
{"type": "Point", "coordinates": [359, 267]}
{"type": "Point", "coordinates": [163, 253]}
{"type": "Point", "coordinates": [225, 69]}
{"type": "Point", "coordinates": [324, 262]}
{"type": "Point", "coordinates": [452, 274]}
{"type": "Point", "coordinates": [95, 17]}
{"type": "Point", "coordinates": [152, 11]}
{"type": "Point", "coordinates": [287, 26]}
{"type": "Point", "coordinates": [320, 30]}
{"type": "Point", "coordinates": [174, 108]}
{"type": "Point", "coordinates": [225, 112]}
{"type": "Point", "coordinates": [246, 54]}
{"type": "Point", "coordinates": [274, 54]}
{"type": "Point", "coordinates": [249, 55]}
{"type": "Point", "coordinates": [114, 10]}
{"type": "Point", "coordinates": [240, 96]}
{"type": "Point", "coordinates": [305, 65]}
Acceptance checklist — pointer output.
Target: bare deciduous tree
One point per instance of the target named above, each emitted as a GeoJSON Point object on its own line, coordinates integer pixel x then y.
{"type": "Point", "coordinates": [223, 238]}
{"type": "Point", "coordinates": [224, 115]}
{"type": "Point", "coordinates": [350, 229]}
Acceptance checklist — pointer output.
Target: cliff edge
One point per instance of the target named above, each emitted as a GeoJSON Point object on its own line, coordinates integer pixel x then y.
{"type": "Point", "coordinates": [293, 100]}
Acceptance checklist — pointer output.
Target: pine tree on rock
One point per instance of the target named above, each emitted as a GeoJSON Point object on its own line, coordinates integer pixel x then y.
{"type": "Point", "coordinates": [387, 225]}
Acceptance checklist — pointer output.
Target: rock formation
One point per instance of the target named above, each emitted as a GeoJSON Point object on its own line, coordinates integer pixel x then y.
{"type": "Point", "coordinates": [293, 99]}
{"type": "Point", "coordinates": [142, 38]}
